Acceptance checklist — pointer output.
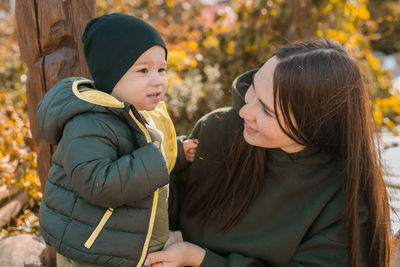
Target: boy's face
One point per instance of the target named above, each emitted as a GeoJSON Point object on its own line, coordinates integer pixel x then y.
{"type": "Point", "coordinates": [145, 83]}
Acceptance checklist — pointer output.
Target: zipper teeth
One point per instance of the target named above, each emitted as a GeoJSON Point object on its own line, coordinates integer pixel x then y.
{"type": "Point", "coordinates": [142, 128]}
{"type": "Point", "coordinates": [150, 229]}
{"type": "Point", "coordinates": [155, 200]}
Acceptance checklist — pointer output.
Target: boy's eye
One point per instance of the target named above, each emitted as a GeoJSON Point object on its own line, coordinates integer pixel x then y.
{"type": "Point", "coordinates": [143, 70]}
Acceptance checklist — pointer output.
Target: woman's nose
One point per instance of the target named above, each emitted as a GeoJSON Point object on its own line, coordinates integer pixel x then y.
{"type": "Point", "coordinates": [246, 112]}
{"type": "Point", "coordinates": [242, 112]}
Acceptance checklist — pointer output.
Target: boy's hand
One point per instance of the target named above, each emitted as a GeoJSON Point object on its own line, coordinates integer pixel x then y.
{"type": "Point", "coordinates": [189, 148]}
{"type": "Point", "coordinates": [158, 145]}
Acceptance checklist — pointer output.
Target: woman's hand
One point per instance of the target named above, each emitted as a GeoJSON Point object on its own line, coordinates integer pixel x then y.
{"type": "Point", "coordinates": [176, 255]}
{"type": "Point", "coordinates": [189, 148]}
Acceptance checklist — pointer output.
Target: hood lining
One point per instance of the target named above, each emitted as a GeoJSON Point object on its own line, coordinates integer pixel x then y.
{"type": "Point", "coordinates": [93, 95]}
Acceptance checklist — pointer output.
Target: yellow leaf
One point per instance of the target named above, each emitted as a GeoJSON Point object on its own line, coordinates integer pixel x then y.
{"type": "Point", "coordinates": [396, 109]}
{"type": "Point", "coordinates": [363, 12]}
{"type": "Point", "coordinates": [229, 48]}
{"type": "Point", "coordinates": [193, 45]}
{"type": "Point", "coordinates": [176, 57]}
{"type": "Point", "coordinates": [211, 42]}
{"type": "Point", "coordinates": [378, 116]}
{"type": "Point", "coordinates": [170, 3]}
{"type": "Point", "coordinates": [174, 78]}
{"type": "Point", "coordinates": [389, 18]}
{"type": "Point", "coordinates": [249, 48]}
{"type": "Point", "coordinates": [389, 124]}
{"type": "Point", "coordinates": [193, 63]}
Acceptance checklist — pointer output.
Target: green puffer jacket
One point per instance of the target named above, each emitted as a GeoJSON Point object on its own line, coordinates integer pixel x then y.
{"type": "Point", "coordinates": [101, 195]}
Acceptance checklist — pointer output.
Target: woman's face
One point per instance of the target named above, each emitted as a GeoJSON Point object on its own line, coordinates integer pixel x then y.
{"type": "Point", "coordinates": [261, 128]}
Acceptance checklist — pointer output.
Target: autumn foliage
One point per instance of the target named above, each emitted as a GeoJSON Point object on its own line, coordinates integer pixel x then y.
{"type": "Point", "coordinates": [208, 47]}
{"type": "Point", "coordinates": [17, 151]}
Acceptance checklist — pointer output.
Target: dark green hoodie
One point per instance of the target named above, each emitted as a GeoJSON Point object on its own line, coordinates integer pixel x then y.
{"type": "Point", "coordinates": [295, 221]}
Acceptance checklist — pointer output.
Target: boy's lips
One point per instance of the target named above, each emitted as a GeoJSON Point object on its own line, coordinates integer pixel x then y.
{"type": "Point", "coordinates": [154, 97]}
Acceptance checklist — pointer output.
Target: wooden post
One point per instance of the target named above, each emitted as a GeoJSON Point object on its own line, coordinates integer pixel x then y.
{"type": "Point", "coordinates": [49, 37]}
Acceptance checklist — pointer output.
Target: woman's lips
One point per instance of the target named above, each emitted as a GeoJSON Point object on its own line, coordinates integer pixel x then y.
{"type": "Point", "coordinates": [249, 129]}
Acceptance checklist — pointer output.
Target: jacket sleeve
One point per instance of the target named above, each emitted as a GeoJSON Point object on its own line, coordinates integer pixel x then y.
{"type": "Point", "coordinates": [322, 249]}
{"type": "Point", "coordinates": [99, 175]}
{"type": "Point", "coordinates": [327, 245]}
{"type": "Point", "coordinates": [179, 176]}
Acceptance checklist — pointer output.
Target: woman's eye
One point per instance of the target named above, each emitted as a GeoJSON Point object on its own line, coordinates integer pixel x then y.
{"type": "Point", "coordinates": [267, 112]}
{"type": "Point", "coordinates": [162, 70]}
{"type": "Point", "coordinates": [143, 70]}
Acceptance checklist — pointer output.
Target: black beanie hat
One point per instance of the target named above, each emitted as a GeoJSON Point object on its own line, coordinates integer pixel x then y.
{"type": "Point", "coordinates": [112, 43]}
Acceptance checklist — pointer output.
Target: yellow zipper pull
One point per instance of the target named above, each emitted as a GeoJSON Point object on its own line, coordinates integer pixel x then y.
{"type": "Point", "coordinates": [99, 227]}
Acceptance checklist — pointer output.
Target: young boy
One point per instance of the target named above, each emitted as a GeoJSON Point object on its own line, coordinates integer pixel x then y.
{"type": "Point", "coordinates": [105, 201]}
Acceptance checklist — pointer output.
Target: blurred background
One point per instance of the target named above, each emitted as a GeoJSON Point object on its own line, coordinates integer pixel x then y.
{"type": "Point", "coordinates": [210, 43]}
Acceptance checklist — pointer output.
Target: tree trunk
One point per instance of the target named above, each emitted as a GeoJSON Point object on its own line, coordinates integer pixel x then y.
{"type": "Point", "coordinates": [49, 36]}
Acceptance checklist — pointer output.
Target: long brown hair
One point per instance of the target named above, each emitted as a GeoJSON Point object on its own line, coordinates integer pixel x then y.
{"type": "Point", "coordinates": [238, 183]}
{"type": "Point", "coordinates": [321, 94]}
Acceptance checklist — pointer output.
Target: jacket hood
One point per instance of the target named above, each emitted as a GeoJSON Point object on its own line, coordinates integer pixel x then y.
{"type": "Point", "coordinates": [67, 99]}
{"type": "Point", "coordinates": [239, 88]}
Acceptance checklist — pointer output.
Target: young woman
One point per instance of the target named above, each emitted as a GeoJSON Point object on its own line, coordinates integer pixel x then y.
{"type": "Point", "coordinates": [300, 185]}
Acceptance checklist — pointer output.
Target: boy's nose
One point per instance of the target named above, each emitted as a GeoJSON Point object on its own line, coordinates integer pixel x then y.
{"type": "Point", "coordinates": [157, 79]}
